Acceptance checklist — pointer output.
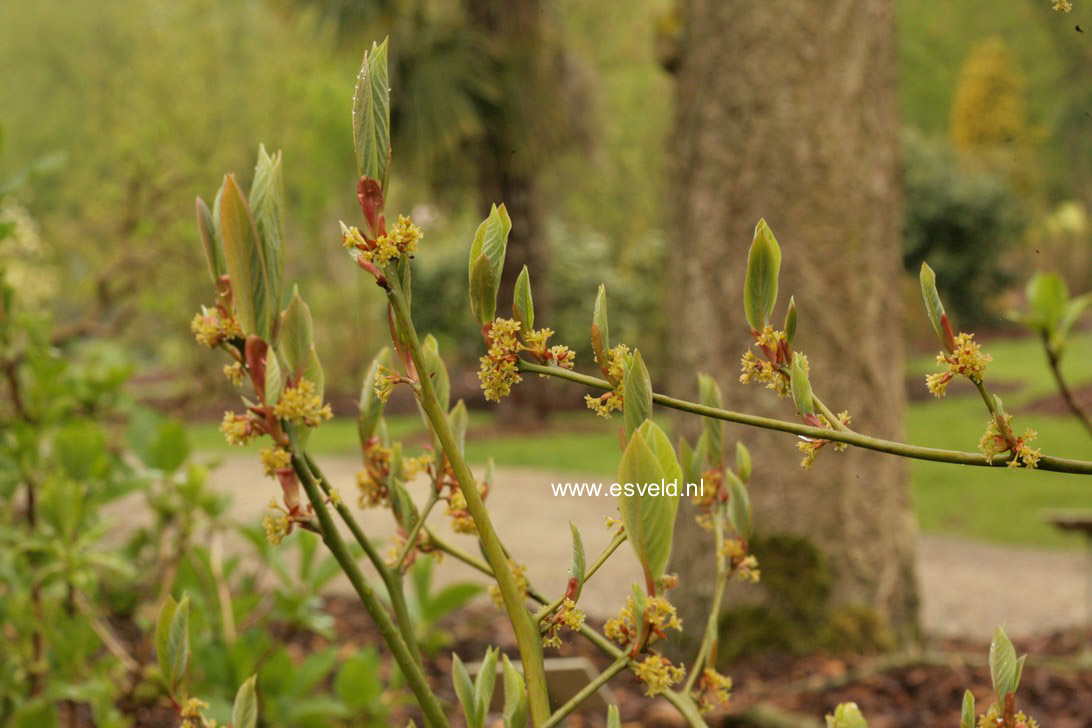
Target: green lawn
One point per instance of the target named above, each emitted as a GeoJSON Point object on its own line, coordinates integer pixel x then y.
{"type": "Point", "coordinates": [995, 505]}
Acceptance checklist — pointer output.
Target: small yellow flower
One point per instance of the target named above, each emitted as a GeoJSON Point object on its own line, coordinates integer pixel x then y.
{"type": "Point", "coordinates": [519, 573]}
{"type": "Point", "coordinates": [385, 381]}
{"type": "Point", "coordinates": [1063, 6]}
{"type": "Point", "coordinates": [498, 367]}
{"type": "Point", "coordinates": [335, 496]}
{"type": "Point", "coordinates": [276, 527]}
{"type": "Point", "coordinates": [302, 405]}
{"type": "Point", "coordinates": [400, 240]}
{"type": "Point", "coordinates": [193, 715]}
{"type": "Point", "coordinates": [622, 628]}
{"type": "Point", "coordinates": [237, 429]}
{"type": "Point", "coordinates": [612, 401]}
{"type": "Point", "coordinates": [274, 459]}
{"type": "Point", "coordinates": [774, 347]}
{"type": "Point", "coordinates": [235, 373]}
{"type": "Point", "coordinates": [658, 674]}
{"type": "Point", "coordinates": [712, 691]}
{"type": "Point", "coordinates": [999, 439]}
{"type": "Point", "coordinates": [567, 616]}
{"type": "Point", "coordinates": [811, 447]}
{"type": "Point", "coordinates": [210, 327]}
{"type": "Point", "coordinates": [351, 237]}
{"type": "Point", "coordinates": [660, 615]}
{"type": "Point", "coordinates": [967, 360]}
{"type": "Point", "coordinates": [744, 564]}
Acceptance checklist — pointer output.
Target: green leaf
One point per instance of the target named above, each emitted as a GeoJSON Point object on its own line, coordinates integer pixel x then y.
{"type": "Point", "coordinates": [436, 371]}
{"type": "Point", "coordinates": [614, 720]}
{"type": "Point", "coordinates": [483, 298]}
{"type": "Point", "coordinates": [162, 634]}
{"type": "Point", "coordinates": [358, 684]}
{"type": "Point", "coordinates": [933, 306]}
{"type": "Point", "coordinates": [274, 378]}
{"type": "Point", "coordinates": [600, 329]}
{"type": "Point", "coordinates": [491, 241]}
{"type": "Point", "coordinates": [847, 715]}
{"type": "Point", "coordinates": [637, 396]}
{"type": "Point", "coordinates": [485, 681]}
{"type": "Point", "coordinates": [178, 644]}
{"type": "Point", "coordinates": [760, 283]}
{"type": "Point", "coordinates": [523, 306]}
{"type": "Point", "coordinates": [458, 419]}
{"type": "Point", "coordinates": [801, 388]}
{"type": "Point", "coordinates": [577, 564]}
{"type": "Point", "coordinates": [245, 259]}
{"type": "Point", "coordinates": [209, 231]}
{"type": "Point", "coordinates": [79, 447]}
{"type": "Point", "coordinates": [1005, 668]}
{"type": "Point", "coordinates": [1047, 296]}
{"type": "Point", "coordinates": [370, 409]}
{"type": "Point", "coordinates": [790, 321]}
{"type": "Point", "coordinates": [710, 396]}
{"type": "Point", "coordinates": [464, 689]}
{"type": "Point", "coordinates": [515, 697]}
{"type": "Point", "coordinates": [967, 716]}
{"type": "Point", "coordinates": [297, 334]}
{"type": "Point", "coordinates": [690, 461]}
{"type": "Point", "coordinates": [267, 204]}
{"type": "Point", "coordinates": [1073, 310]}
{"type": "Point", "coordinates": [658, 442]}
{"type": "Point", "coordinates": [648, 519]}
{"type": "Point", "coordinates": [159, 442]}
{"type": "Point", "coordinates": [743, 462]}
{"type": "Point", "coordinates": [739, 506]}
{"type": "Point", "coordinates": [244, 712]}
{"type": "Point", "coordinates": [372, 116]}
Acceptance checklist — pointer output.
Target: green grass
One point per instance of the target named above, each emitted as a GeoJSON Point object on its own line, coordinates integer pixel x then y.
{"type": "Point", "coordinates": [994, 505]}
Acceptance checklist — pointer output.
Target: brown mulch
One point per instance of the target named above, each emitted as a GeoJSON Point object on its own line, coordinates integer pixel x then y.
{"type": "Point", "coordinates": [1053, 404]}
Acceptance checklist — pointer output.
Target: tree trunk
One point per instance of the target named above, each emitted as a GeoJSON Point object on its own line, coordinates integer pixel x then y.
{"type": "Point", "coordinates": [508, 170]}
{"type": "Point", "coordinates": [788, 111]}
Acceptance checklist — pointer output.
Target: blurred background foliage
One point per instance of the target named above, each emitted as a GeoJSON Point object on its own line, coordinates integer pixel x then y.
{"type": "Point", "coordinates": [150, 103]}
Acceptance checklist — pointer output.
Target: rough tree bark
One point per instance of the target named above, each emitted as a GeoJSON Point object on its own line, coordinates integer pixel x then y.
{"type": "Point", "coordinates": [788, 111]}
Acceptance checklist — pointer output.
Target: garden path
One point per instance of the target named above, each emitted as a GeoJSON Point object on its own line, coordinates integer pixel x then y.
{"type": "Point", "coordinates": [966, 587]}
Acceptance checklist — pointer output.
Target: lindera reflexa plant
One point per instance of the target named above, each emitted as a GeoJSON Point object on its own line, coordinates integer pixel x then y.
{"type": "Point", "coordinates": [269, 342]}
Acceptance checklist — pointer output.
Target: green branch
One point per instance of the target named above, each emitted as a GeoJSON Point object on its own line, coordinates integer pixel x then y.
{"type": "Point", "coordinates": [527, 635]}
{"type": "Point", "coordinates": [1048, 463]}
{"type": "Point", "coordinates": [413, 673]}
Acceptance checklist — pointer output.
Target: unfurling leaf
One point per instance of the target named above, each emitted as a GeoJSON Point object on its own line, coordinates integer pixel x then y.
{"type": "Point", "coordinates": [464, 690]}
{"type": "Point", "coordinates": [1047, 296]}
{"type": "Point", "coordinates": [739, 506]}
{"type": "Point", "coordinates": [515, 696]}
{"type": "Point", "coordinates": [614, 720]}
{"type": "Point", "coordinates": [600, 336]}
{"type": "Point", "coordinates": [760, 283]}
{"type": "Point", "coordinates": [162, 635]}
{"type": "Point", "coordinates": [967, 716]}
{"type": "Point", "coordinates": [274, 378]}
{"type": "Point", "coordinates": [790, 321]}
{"type": "Point", "coordinates": [577, 565]}
{"type": "Point", "coordinates": [372, 116]}
{"type": "Point", "coordinates": [743, 462]}
{"type": "Point", "coordinates": [801, 388]}
{"type": "Point", "coordinates": [370, 409]}
{"type": "Point", "coordinates": [457, 419]}
{"type": "Point", "coordinates": [690, 462]}
{"type": "Point", "coordinates": [1005, 668]}
{"type": "Point", "coordinates": [637, 397]}
{"type": "Point", "coordinates": [296, 335]}
{"type": "Point", "coordinates": [485, 681]}
{"type": "Point", "coordinates": [178, 644]}
{"type": "Point", "coordinates": [209, 229]}
{"type": "Point", "coordinates": [244, 713]}
{"type": "Point", "coordinates": [267, 205]}
{"type": "Point", "coordinates": [649, 519]}
{"type": "Point", "coordinates": [436, 371]}
{"type": "Point", "coordinates": [523, 307]}
{"type": "Point", "coordinates": [710, 396]}
{"type": "Point", "coordinates": [934, 307]}
{"type": "Point", "coordinates": [245, 260]}
{"type": "Point", "coordinates": [490, 241]}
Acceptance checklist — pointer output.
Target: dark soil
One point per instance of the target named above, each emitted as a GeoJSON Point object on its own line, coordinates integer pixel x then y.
{"type": "Point", "coordinates": [1053, 404]}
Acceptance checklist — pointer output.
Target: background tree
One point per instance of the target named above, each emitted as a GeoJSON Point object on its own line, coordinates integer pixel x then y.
{"type": "Point", "coordinates": [788, 111]}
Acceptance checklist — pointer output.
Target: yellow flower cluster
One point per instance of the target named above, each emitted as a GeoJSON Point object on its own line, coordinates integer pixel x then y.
{"type": "Point", "coordinates": [567, 616]}
{"type": "Point", "coordinates": [457, 510]}
{"type": "Point", "coordinates": [237, 429]}
{"type": "Point", "coordinates": [713, 691]}
{"type": "Point", "coordinates": [274, 459]}
{"type": "Point", "coordinates": [519, 573]}
{"type": "Point", "coordinates": [1063, 6]}
{"type": "Point", "coordinates": [385, 381]}
{"type": "Point", "coordinates": [658, 674]}
{"type": "Point", "coordinates": [400, 240]}
{"type": "Point", "coordinates": [276, 527]}
{"type": "Point", "coordinates": [774, 346]}
{"type": "Point", "coordinates": [498, 371]}
{"type": "Point", "coordinates": [210, 327]}
{"type": "Point", "coordinates": [235, 373]}
{"type": "Point", "coordinates": [193, 715]}
{"type": "Point", "coordinates": [811, 448]}
{"type": "Point", "coordinates": [604, 404]}
{"type": "Point", "coordinates": [997, 440]}
{"type": "Point", "coordinates": [371, 481]}
{"type": "Point", "coordinates": [301, 405]}
{"type": "Point", "coordinates": [968, 360]}
{"type": "Point", "coordinates": [992, 718]}
{"type": "Point", "coordinates": [744, 564]}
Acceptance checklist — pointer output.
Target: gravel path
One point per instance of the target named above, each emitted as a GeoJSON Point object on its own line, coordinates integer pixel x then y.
{"type": "Point", "coordinates": [967, 587]}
